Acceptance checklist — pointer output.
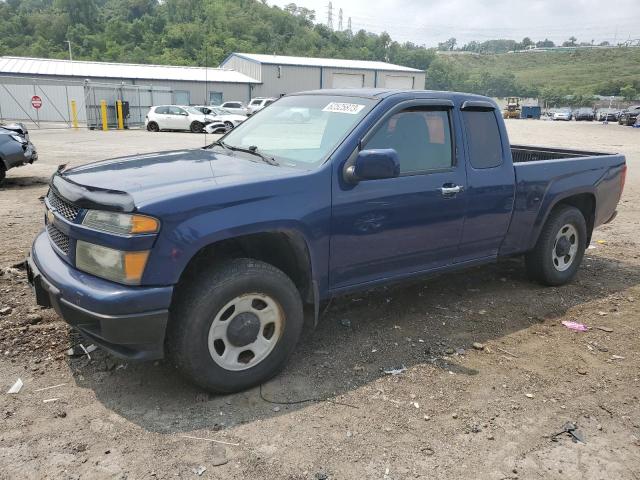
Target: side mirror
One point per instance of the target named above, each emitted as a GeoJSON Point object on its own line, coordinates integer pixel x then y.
{"type": "Point", "coordinates": [373, 164]}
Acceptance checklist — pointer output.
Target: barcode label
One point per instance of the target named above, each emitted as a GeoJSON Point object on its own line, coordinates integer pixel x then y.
{"type": "Point", "coordinates": [351, 108]}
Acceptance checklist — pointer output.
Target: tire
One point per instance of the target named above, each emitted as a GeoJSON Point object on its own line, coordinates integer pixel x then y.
{"type": "Point", "coordinates": [153, 127]}
{"type": "Point", "coordinates": [3, 173]}
{"type": "Point", "coordinates": [229, 125]}
{"type": "Point", "coordinates": [196, 127]}
{"type": "Point", "coordinates": [205, 301]}
{"type": "Point", "coordinates": [545, 263]}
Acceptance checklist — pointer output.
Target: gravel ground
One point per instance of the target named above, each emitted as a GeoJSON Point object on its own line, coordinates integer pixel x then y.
{"type": "Point", "coordinates": [455, 412]}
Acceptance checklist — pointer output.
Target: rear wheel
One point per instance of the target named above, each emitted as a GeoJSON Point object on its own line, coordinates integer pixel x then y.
{"type": "Point", "coordinates": [235, 326]}
{"type": "Point", "coordinates": [3, 173]}
{"type": "Point", "coordinates": [197, 127]}
{"type": "Point", "coordinates": [153, 127]}
{"type": "Point", "coordinates": [559, 250]}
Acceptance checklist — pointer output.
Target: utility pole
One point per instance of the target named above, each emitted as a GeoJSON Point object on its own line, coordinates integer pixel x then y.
{"type": "Point", "coordinates": [330, 16]}
{"type": "Point", "coordinates": [340, 20]}
{"type": "Point", "coordinates": [349, 25]}
{"type": "Point", "coordinates": [70, 56]}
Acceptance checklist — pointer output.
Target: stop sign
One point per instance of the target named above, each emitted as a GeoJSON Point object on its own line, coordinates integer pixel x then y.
{"type": "Point", "coordinates": [36, 102]}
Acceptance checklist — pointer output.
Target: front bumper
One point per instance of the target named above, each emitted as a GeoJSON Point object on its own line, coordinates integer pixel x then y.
{"type": "Point", "coordinates": [129, 322]}
{"type": "Point", "coordinates": [20, 155]}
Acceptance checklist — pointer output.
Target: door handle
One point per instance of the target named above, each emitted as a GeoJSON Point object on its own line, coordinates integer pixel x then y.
{"type": "Point", "coordinates": [448, 191]}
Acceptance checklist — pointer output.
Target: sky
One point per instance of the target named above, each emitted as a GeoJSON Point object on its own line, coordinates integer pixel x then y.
{"type": "Point", "coordinates": [427, 22]}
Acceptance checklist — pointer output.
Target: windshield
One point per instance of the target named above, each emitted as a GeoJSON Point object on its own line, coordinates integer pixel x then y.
{"type": "Point", "coordinates": [301, 130]}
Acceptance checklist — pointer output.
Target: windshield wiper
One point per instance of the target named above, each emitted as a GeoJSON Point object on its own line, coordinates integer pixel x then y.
{"type": "Point", "coordinates": [253, 150]}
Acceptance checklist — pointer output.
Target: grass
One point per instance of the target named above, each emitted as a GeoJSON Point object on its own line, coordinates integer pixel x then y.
{"type": "Point", "coordinates": [582, 70]}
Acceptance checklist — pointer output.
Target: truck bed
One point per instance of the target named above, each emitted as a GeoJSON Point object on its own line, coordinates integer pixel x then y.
{"type": "Point", "coordinates": [545, 175]}
{"type": "Point", "coordinates": [527, 153]}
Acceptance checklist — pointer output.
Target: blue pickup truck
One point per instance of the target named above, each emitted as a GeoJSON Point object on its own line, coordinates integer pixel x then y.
{"type": "Point", "coordinates": [210, 256]}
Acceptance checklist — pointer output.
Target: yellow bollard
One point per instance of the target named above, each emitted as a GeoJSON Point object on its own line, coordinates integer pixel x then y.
{"type": "Point", "coordinates": [120, 119]}
{"type": "Point", "coordinates": [103, 107]}
{"type": "Point", "coordinates": [74, 114]}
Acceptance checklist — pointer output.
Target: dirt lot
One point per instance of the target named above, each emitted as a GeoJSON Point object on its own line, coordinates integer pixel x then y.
{"type": "Point", "coordinates": [456, 412]}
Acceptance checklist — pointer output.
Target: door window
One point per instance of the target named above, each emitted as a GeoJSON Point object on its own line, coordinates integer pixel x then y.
{"type": "Point", "coordinates": [162, 110]}
{"type": "Point", "coordinates": [232, 105]}
{"type": "Point", "coordinates": [176, 111]}
{"type": "Point", "coordinates": [485, 145]}
{"type": "Point", "coordinates": [421, 137]}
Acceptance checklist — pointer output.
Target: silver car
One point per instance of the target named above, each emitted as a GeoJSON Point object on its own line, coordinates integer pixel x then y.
{"type": "Point", "coordinates": [15, 148]}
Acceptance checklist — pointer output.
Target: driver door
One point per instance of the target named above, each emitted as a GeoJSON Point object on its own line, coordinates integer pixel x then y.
{"type": "Point", "coordinates": [394, 227]}
{"type": "Point", "coordinates": [178, 118]}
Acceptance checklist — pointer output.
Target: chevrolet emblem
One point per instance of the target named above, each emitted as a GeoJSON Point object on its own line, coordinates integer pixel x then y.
{"type": "Point", "coordinates": [50, 217]}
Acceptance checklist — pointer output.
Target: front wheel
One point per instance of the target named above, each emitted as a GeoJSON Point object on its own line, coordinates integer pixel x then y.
{"type": "Point", "coordinates": [235, 326]}
{"type": "Point", "coordinates": [196, 127]}
{"type": "Point", "coordinates": [559, 250]}
{"type": "Point", "coordinates": [228, 125]}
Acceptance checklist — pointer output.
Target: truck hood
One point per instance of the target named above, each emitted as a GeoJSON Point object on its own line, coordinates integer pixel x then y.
{"type": "Point", "coordinates": [127, 183]}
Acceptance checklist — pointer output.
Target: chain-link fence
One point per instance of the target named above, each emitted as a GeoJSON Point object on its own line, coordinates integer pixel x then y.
{"type": "Point", "coordinates": [51, 103]}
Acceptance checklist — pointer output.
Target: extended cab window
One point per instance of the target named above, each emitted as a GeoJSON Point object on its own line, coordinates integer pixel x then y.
{"type": "Point", "coordinates": [485, 147]}
{"type": "Point", "coordinates": [420, 135]}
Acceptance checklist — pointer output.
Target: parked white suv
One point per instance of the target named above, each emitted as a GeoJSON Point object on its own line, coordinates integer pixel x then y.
{"type": "Point", "coordinates": [258, 103]}
{"type": "Point", "coordinates": [235, 107]}
{"type": "Point", "coordinates": [176, 117]}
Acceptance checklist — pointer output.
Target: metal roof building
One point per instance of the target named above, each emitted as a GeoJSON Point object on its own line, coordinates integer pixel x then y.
{"type": "Point", "coordinates": [187, 83]}
{"type": "Point", "coordinates": [279, 75]}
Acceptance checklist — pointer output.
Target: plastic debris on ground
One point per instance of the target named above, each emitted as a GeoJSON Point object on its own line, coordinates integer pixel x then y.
{"type": "Point", "coordinates": [16, 387]}
{"type": "Point", "coordinates": [578, 327]}
{"type": "Point", "coordinates": [199, 470]}
{"type": "Point", "coordinates": [571, 429]}
{"type": "Point", "coordinates": [80, 349]}
{"type": "Point", "coordinates": [395, 371]}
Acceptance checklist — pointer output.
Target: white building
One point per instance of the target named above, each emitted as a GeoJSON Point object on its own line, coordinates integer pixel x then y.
{"type": "Point", "coordinates": [278, 75]}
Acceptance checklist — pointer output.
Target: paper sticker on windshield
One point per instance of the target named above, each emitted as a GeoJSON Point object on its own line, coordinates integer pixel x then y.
{"type": "Point", "coordinates": [336, 107]}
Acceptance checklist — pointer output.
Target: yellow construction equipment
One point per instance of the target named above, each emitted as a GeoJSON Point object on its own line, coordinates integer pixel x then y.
{"type": "Point", "coordinates": [513, 108]}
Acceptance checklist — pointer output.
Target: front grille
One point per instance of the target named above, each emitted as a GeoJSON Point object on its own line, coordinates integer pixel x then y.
{"type": "Point", "coordinates": [58, 238]}
{"type": "Point", "coordinates": [64, 208]}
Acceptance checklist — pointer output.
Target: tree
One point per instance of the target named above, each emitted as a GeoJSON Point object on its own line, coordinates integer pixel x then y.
{"type": "Point", "coordinates": [447, 45]}
{"type": "Point", "coordinates": [546, 43]}
{"type": "Point", "coordinates": [629, 92]}
{"type": "Point", "coordinates": [526, 43]}
{"type": "Point", "coordinates": [571, 42]}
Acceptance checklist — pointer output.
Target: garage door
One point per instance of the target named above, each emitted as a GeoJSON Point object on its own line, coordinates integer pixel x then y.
{"type": "Point", "coordinates": [399, 81]}
{"type": "Point", "coordinates": [347, 80]}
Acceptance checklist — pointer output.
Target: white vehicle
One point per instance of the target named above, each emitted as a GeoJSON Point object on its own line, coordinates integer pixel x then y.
{"type": "Point", "coordinates": [258, 103]}
{"type": "Point", "coordinates": [220, 115]}
{"type": "Point", "coordinates": [563, 114]}
{"type": "Point", "coordinates": [176, 117]}
{"type": "Point", "coordinates": [235, 107]}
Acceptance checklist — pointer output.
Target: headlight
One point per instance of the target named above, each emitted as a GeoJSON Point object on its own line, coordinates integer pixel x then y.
{"type": "Point", "coordinates": [115, 265]}
{"type": "Point", "coordinates": [120, 223]}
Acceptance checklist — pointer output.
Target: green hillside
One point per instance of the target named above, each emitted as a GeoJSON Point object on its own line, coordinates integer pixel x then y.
{"type": "Point", "coordinates": [581, 72]}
